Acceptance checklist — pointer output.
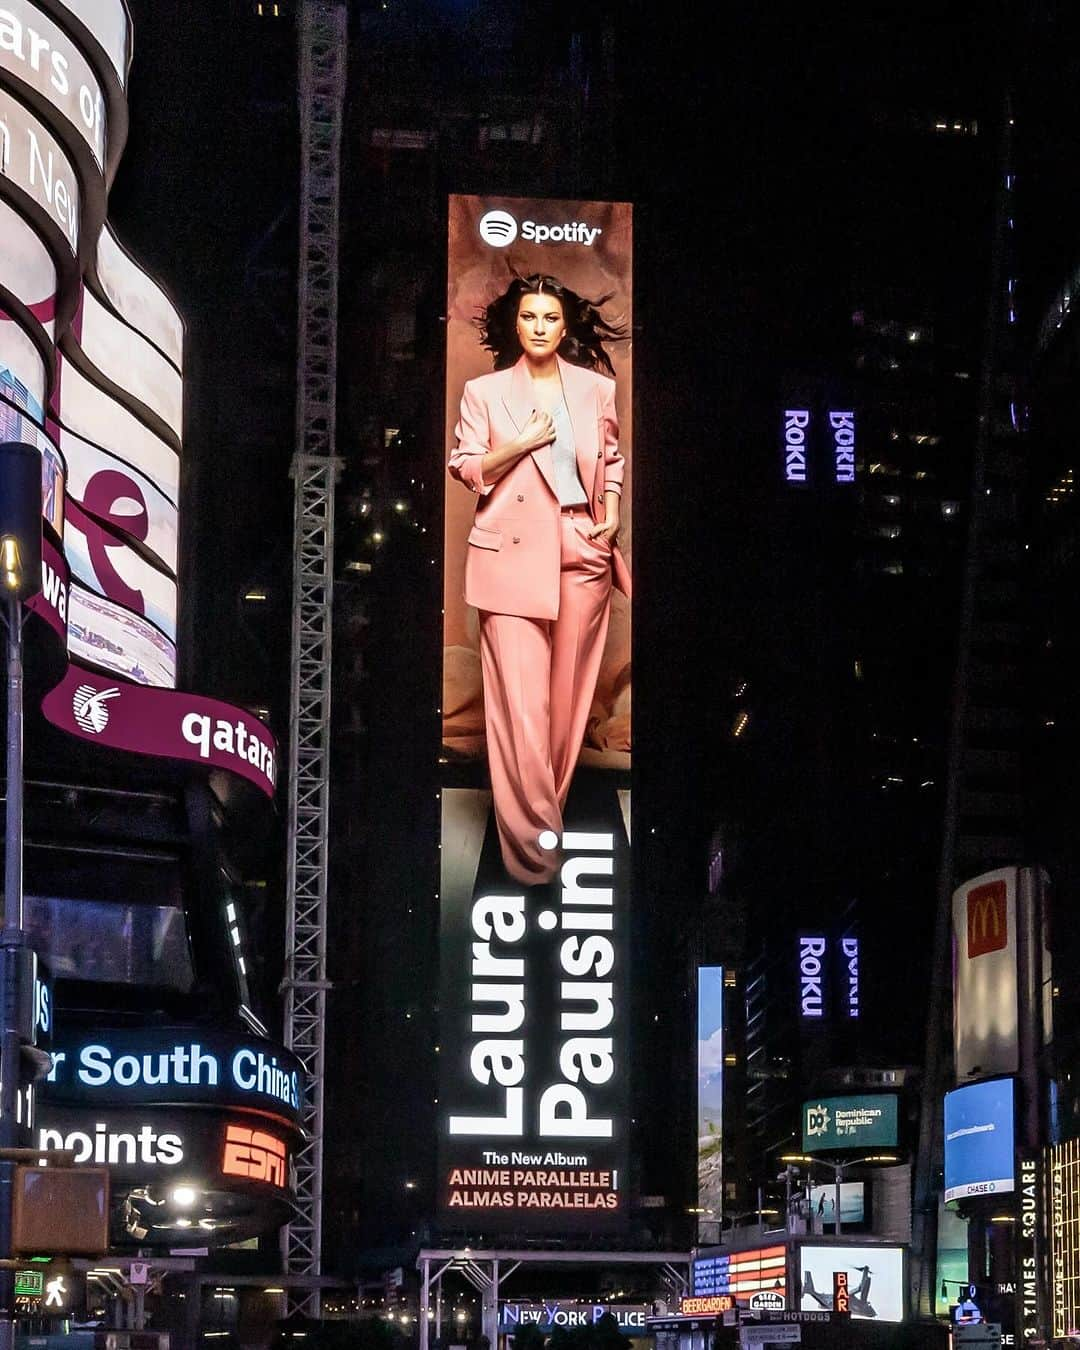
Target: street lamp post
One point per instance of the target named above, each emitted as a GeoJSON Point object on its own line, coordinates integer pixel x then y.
{"type": "Point", "coordinates": [839, 1167]}
{"type": "Point", "coordinates": [20, 578]}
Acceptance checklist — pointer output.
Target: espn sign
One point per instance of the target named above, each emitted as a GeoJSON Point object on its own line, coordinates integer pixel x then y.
{"type": "Point", "coordinates": [254, 1154]}
{"type": "Point", "coordinates": [987, 918]}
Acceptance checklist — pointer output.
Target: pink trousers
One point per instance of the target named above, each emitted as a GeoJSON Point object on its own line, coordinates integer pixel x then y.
{"type": "Point", "coordinates": [539, 680]}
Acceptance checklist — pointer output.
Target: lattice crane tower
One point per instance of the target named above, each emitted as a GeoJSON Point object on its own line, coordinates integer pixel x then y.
{"type": "Point", "coordinates": [322, 36]}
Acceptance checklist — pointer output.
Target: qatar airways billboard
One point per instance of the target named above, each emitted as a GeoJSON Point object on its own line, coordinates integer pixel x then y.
{"type": "Point", "coordinates": [22, 368]}
{"type": "Point", "coordinates": [130, 361]}
{"type": "Point", "coordinates": [107, 23]}
{"type": "Point", "coordinates": [33, 162]}
{"type": "Point", "coordinates": [27, 271]}
{"type": "Point", "coordinates": [536, 716]}
{"type": "Point", "coordinates": [105, 407]}
{"type": "Point", "coordinates": [43, 59]}
{"type": "Point", "coordinates": [138, 299]}
{"type": "Point", "coordinates": [163, 722]}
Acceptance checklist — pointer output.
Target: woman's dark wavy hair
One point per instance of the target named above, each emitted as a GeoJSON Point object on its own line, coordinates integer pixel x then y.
{"type": "Point", "coordinates": [586, 329]}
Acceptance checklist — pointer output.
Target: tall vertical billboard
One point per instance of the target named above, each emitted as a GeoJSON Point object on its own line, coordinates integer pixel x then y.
{"type": "Point", "coordinates": [985, 1009]}
{"type": "Point", "coordinates": [710, 1099]}
{"type": "Point", "coordinates": [1002, 967]}
{"type": "Point", "coordinates": [536, 750]}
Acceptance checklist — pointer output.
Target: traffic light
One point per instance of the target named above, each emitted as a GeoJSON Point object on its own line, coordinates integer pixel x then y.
{"type": "Point", "coordinates": [60, 1210]}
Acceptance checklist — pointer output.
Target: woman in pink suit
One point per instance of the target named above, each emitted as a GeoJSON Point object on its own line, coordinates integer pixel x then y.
{"type": "Point", "coordinates": [538, 441]}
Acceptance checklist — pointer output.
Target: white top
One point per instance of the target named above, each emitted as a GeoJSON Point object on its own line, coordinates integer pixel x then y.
{"type": "Point", "coordinates": [564, 455]}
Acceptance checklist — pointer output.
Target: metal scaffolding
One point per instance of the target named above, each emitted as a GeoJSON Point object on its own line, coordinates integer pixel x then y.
{"type": "Point", "coordinates": [322, 70]}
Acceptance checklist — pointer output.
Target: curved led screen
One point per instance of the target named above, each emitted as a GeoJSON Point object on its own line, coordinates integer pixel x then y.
{"type": "Point", "coordinates": [130, 362]}
{"type": "Point", "coordinates": [196, 1124]}
{"type": "Point", "coordinates": [97, 417]}
{"type": "Point", "coordinates": [107, 23]}
{"type": "Point", "coordinates": [15, 425]}
{"type": "Point", "coordinates": [980, 1156]}
{"type": "Point", "coordinates": [107, 564]}
{"type": "Point", "coordinates": [126, 1066]}
{"type": "Point", "coordinates": [27, 270]}
{"type": "Point", "coordinates": [180, 1171]}
{"type": "Point", "coordinates": [117, 493]}
{"type": "Point", "coordinates": [138, 299]}
{"type": "Point", "coordinates": [105, 635]}
{"type": "Point", "coordinates": [33, 161]}
{"type": "Point", "coordinates": [22, 370]}
{"type": "Point", "coordinates": [37, 52]}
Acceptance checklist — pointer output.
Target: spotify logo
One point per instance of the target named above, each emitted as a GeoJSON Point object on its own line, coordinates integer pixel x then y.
{"type": "Point", "coordinates": [498, 228]}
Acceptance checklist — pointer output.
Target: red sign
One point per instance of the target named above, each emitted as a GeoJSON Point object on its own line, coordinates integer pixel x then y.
{"type": "Point", "coordinates": [50, 603]}
{"type": "Point", "coordinates": [166, 722]}
{"type": "Point", "coordinates": [254, 1154]}
{"type": "Point", "coordinates": [708, 1306]}
{"type": "Point", "coordinates": [987, 926]}
{"type": "Point", "coordinates": [841, 1296]}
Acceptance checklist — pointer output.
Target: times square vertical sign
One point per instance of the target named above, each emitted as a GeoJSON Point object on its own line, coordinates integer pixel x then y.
{"type": "Point", "coordinates": [536, 752]}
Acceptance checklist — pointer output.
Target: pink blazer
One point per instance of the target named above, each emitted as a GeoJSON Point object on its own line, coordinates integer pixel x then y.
{"type": "Point", "coordinates": [513, 559]}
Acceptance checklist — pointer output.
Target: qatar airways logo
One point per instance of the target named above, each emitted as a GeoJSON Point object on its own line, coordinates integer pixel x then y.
{"type": "Point", "coordinates": [499, 229]}
{"type": "Point", "coordinates": [90, 707]}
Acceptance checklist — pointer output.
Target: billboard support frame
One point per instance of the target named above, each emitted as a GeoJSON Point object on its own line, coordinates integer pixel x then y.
{"type": "Point", "coordinates": [484, 1269]}
{"type": "Point", "coordinates": [322, 43]}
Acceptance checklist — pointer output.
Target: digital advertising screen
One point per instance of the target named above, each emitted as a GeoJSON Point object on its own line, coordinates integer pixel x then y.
{"type": "Point", "coordinates": [96, 416]}
{"type": "Point", "coordinates": [138, 298]}
{"type": "Point", "coordinates": [22, 369]}
{"type": "Point", "coordinates": [1062, 1163]}
{"type": "Point", "coordinates": [105, 561]}
{"type": "Point", "coordinates": [123, 498]}
{"type": "Point", "coordinates": [875, 1280]}
{"type": "Point", "coordinates": [986, 1016]}
{"type": "Point", "coordinates": [114, 639]}
{"type": "Point", "coordinates": [107, 23]}
{"type": "Point", "coordinates": [132, 363]}
{"type": "Point", "coordinates": [34, 162]}
{"type": "Point", "coordinates": [710, 1095]}
{"type": "Point", "coordinates": [536, 749]}
{"type": "Point", "coordinates": [980, 1139]}
{"type": "Point", "coordinates": [746, 1275]}
{"type": "Point", "coordinates": [17, 425]}
{"type": "Point", "coordinates": [857, 1121]}
{"type": "Point", "coordinates": [41, 56]}
{"type": "Point", "coordinates": [852, 1203]}
{"type": "Point", "coordinates": [27, 270]}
